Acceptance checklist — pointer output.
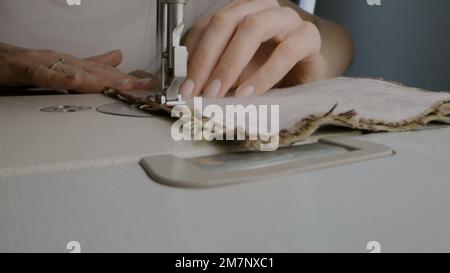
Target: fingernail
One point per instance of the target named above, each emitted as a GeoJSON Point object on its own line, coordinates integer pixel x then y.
{"type": "Point", "coordinates": [123, 82]}
{"type": "Point", "coordinates": [143, 81]}
{"type": "Point", "coordinates": [73, 75]}
{"type": "Point", "coordinates": [246, 92]}
{"type": "Point", "coordinates": [213, 89]}
{"type": "Point", "coordinates": [187, 88]}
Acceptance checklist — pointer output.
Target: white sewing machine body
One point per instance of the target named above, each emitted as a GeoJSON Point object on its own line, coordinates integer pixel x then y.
{"type": "Point", "coordinates": [75, 176]}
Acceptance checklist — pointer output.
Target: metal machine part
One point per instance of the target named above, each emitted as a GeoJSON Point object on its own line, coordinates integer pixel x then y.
{"type": "Point", "coordinates": [170, 27]}
{"type": "Point", "coordinates": [174, 56]}
{"type": "Point", "coordinates": [226, 169]}
{"type": "Point", "coordinates": [65, 109]}
{"type": "Point", "coordinates": [123, 109]}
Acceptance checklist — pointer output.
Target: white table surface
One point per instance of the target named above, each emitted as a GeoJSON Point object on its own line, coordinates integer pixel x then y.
{"type": "Point", "coordinates": [76, 177]}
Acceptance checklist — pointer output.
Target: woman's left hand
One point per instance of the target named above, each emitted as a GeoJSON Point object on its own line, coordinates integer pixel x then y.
{"type": "Point", "coordinates": [251, 45]}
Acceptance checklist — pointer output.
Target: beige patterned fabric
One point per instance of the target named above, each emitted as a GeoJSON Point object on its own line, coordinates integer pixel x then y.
{"type": "Point", "coordinates": [362, 104]}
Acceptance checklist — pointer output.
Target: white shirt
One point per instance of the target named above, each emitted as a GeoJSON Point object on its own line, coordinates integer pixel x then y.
{"type": "Point", "coordinates": [94, 27]}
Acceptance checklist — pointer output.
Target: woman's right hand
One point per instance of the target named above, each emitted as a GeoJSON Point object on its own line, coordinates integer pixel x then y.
{"type": "Point", "coordinates": [30, 67]}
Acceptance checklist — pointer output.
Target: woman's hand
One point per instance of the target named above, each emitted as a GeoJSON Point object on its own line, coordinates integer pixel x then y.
{"type": "Point", "coordinates": [252, 45]}
{"type": "Point", "coordinates": [29, 67]}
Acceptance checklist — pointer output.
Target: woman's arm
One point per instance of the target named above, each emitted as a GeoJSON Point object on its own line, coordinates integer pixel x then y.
{"type": "Point", "coordinates": [337, 45]}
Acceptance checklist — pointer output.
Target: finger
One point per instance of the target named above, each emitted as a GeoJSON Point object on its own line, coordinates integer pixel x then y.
{"type": "Point", "coordinates": [195, 33]}
{"type": "Point", "coordinates": [42, 76]}
{"type": "Point", "coordinates": [303, 45]}
{"type": "Point", "coordinates": [113, 58]}
{"type": "Point", "coordinates": [106, 71]}
{"type": "Point", "coordinates": [63, 77]}
{"type": "Point", "coordinates": [215, 39]}
{"type": "Point", "coordinates": [146, 84]}
{"type": "Point", "coordinates": [254, 30]}
{"type": "Point", "coordinates": [198, 29]}
{"type": "Point", "coordinates": [192, 40]}
{"type": "Point", "coordinates": [101, 70]}
{"type": "Point", "coordinates": [89, 82]}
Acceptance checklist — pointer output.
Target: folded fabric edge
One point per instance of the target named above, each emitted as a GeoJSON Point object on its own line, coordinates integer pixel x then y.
{"type": "Point", "coordinates": [306, 128]}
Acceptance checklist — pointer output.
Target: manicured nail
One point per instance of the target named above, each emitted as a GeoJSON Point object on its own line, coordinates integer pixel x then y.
{"type": "Point", "coordinates": [73, 75]}
{"type": "Point", "coordinates": [123, 82]}
{"type": "Point", "coordinates": [126, 82]}
{"type": "Point", "coordinates": [246, 92]}
{"type": "Point", "coordinates": [114, 51]}
{"type": "Point", "coordinates": [187, 88]}
{"type": "Point", "coordinates": [143, 81]}
{"type": "Point", "coordinates": [213, 89]}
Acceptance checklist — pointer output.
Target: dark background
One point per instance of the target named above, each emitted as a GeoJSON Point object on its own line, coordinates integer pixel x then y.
{"type": "Point", "coordinates": [402, 40]}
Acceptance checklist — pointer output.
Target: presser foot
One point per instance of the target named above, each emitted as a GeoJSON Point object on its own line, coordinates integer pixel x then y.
{"type": "Point", "coordinates": [171, 96]}
{"type": "Point", "coordinates": [162, 99]}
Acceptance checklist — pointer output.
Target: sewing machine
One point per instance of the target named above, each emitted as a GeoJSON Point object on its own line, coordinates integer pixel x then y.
{"type": "Point", "coordinates": [174, 56]}
{"type": "Point", "coordinates": [69, 173]}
